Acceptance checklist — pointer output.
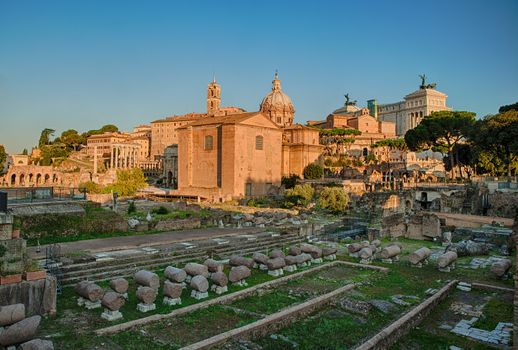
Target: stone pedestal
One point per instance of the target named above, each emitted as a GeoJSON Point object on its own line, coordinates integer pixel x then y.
{"type": "Point", "coordinates": [317, 261]}
{"type": "Point", "coordinates": [387, 261]}
{"type": "Point", "coordinates": [199, 295]}
{"type": "Point", "coordinates": [172, 301]}
{"type": "Point", "coordinates": [146, 307]}
{"type": "Point", "coordinates": [304, 264]}
{"type": "Point", "coordinates": [262, 267]}
{"type": "Point", "coordinates": [111, 315]}
{"type": "Point", "coordinates": [448, 268]}
{"type": "Point", "coordinates": [290, 268]}
{"type": "Point", "coordinates": [87, 304]}
{"type": "Point", "coordinates": [241, 283]}
{"type": "Point", "coordinates": [330, 257]}
{"type": "Point", "coordinates": [188, 279]}
{"type": "Point", "coordinates": [218, 289]}
{"type": "Point", "coordinates": [353, 255]}
{"type": "Point", "coordinates": [276, 272]}
{"type": "Point", "coordinates": [366, 261]}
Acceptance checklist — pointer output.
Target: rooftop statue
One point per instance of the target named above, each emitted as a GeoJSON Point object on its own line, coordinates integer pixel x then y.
{"type": "Point", "coordinates": [423, 83]}
{"type": "Point", "coordinates": [348, 102]}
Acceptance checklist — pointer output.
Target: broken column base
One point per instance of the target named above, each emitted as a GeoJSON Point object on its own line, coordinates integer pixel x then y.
{"type": "Point", "coordinates": [241, 283]}
{"type": "Point", "coordinates": [387, 261]}
{"type": "Point", "coordinates": [219, 289]}
{"type": "Point", "coordinates": [448, 268]}
{"type": "Point", "coordinates": [290, 268]}
{"type": "Point", "coordinates": [172, 301]}
{"type": "Point", "coordinates": [146, 307]}
{"type": "Point", "coordinates": [366, 261]}
{"type": "Point", "coordinates": [111, 315]}
{"type": "Point", "coordinates": [276, 272]}
{"type": "Point", "coordinates": [90, 305]}
{"type": "Point", "coordinates": [354, 255]}
{"type": "Point", "coordinates": [330, 257]}
{"type": "Point", "coordinates": [317, 261]}
{"type": "Point", "coordinates": [304, 264]}
{"type": "Point", "coordinates": [262, 267]}
{"type": "Point", "coordinates": [199, 295]}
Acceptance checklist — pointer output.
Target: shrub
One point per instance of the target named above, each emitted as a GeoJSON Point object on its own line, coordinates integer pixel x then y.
{"type": "Point", "coordinates": [160, 210]}
{"type": "Point", "coordinates": [290, 181]}
{"type": "Point", "coordinates": [128, 182]}
{"type": "Point", "coordinates": [333, 198]}
{"type": "Point", "coordinates": [90, 187]}
{"type": "Point", "coordinates": [313, 171]}
{"type": "Point", "coordinates": [132, 208]}
{"type": "Point", "coordinates": [300, 194]}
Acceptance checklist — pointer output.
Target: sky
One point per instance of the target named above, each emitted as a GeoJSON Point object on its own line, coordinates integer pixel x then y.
{"type": "Point", "coordinates": [82, 64]}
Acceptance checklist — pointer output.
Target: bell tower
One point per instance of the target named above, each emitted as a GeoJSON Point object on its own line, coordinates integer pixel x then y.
{"type": "Point", "coordinates": [213, 97]}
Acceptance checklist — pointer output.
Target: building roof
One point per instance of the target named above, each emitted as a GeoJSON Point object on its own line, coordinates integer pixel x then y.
{"type": "Point", "coordinates": [276, 100]}
{"type": "Point", "coordinates": [229, 119]}
{"type": "Point", "coordinates": [424, 92]}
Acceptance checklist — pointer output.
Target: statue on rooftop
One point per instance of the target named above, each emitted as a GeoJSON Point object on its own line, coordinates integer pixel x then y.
{"type": "Point", "coordinates": [348, 101]}
{"type": "Point", "coordinates": [423, 83]}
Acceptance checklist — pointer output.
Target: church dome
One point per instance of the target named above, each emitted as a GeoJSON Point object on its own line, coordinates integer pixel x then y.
{"type": "Point", "coordinates": [277, 105]}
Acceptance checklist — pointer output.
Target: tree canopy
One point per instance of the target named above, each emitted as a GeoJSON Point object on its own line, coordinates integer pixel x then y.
{"type": "Point", "coordinates": [3, 157]}
{"type": "Point", "coordinates": [339, 132]}
{"type": "Point", "coordinates": [441, 131]}
{"type": "Point", "coordinates": [398, 143]}
{"type": "Point", "coordinates": [45, 137]}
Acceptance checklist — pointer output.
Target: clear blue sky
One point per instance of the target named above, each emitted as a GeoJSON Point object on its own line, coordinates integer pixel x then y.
{"type": "Point", "coordinates": [82, 64]}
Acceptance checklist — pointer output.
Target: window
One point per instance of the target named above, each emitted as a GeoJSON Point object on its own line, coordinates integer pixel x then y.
{"type": "Point", "coordinates": [248, 189]}
{"type": "Point", "coordinates": [259, 142]}
{"type": "Point", "coordinates": [208, 143]}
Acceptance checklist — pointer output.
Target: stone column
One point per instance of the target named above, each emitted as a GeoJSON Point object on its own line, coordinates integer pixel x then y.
{"type": "Point", "coordinates": [111, 157]}
{"type": "Point", "coordinates": [95, 159]}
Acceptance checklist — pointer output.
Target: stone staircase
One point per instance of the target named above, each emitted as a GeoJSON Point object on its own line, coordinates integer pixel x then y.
{"type": "Point", "coordinates": [177, 254]}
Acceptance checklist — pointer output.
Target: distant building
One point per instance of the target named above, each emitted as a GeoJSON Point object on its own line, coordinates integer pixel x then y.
{"type": "Point", "coordinates": [223, 155]}
{"type": "Point", "coordinates": [352, 117]}
{"type": "Point", "coordinates": [408, 114]}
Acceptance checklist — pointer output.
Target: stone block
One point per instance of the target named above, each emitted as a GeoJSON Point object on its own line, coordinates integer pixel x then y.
{"type": "Point", "coordinates": [111, 315]}
{"type": "Point", "coordinates": [219, 289]}
{"type": "Point", "coordinates": [276, 272]}
{"type": "Point", "coordinates": [199, 295]}
{"type": "Point", "coordinates": [172, 301]}
{"type": "Point", "coordinates": [146, 307]}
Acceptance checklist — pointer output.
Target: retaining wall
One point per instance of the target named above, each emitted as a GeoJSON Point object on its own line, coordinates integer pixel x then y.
{"type": "Point", "coordinates": [390, 334]}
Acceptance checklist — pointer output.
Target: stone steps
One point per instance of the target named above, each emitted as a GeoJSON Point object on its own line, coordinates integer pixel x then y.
{"type": "Point", "coordinates": [102, 270]}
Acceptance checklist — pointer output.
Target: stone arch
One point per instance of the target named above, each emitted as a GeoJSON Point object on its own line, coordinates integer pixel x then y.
{"type": "Point", "coordinates": [46, 178]}
{"type": "Point", "coordinates": [31, 178]}
{"type": "Point", "coordinates": [22, 179]}
{"type": "Point", "coordinates": [13, 179]}
{"type": "Point", "coordinates": [38, 179]}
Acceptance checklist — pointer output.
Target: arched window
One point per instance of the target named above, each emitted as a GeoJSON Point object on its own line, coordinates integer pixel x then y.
{"type": "Point", "coordinates": [208, 142]}
{"type": "Point", "coordinates": [259, 142]}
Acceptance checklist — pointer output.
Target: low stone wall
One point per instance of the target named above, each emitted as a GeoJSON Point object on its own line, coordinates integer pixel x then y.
{"type": "Point", "coordinates": [271, 323]}
{"type": "Point", "coordinates": [25, 209]}
{"type": "Point", "coordinates": [100, 197]}
{"type": "Point", "coordinates": [229, 297]}
{"type": "Point", "coordinates": [390, 334]}
{"type": "Point", "coordinates": [39, 297]}
{"type": "Point", "coordinates": [177, 224]}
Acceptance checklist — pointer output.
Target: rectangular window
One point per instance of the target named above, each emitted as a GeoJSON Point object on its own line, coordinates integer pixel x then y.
{"type": "Point", "coordinates": [208, 143]}
{"type": "Point", "coordinates": [248, 189]}
{"type": "Point", "coordinates": [259, 142]}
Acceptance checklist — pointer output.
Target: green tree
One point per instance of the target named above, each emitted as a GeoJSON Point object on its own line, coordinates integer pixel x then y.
{"type": "Point", "coordinates": [108, 128]}
{"type": "Point", "coordinates": [313, 171]}
{"type": "Point", "coordinates": [398, 143]}
{"type": "Point", "coordinates": [441, 131]}
{"type": "Point", "coordinates": [128, 182]}
{"type": "Point", "coordinates": [45, 137]}
{"type": "Point", "coordinates": [72, 139]}
{"type": "Point", "coordinates": [513, 107]}
{"type": "Point", "coordinates": [3, 157]}
{"type": "Point", "coordinates": [334, 199]}
{"type": "Point", "coordinates": [498, 134]}
{"type": "Point", "coordinates": [91, 187]}
{"type": "Point", "coordinates": [25, 152]}
{"type": "Point", "coordinates": [300, 194]}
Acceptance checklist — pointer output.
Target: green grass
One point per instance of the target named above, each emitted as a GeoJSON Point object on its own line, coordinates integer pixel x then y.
{"type": "Point", "coordinates": [495, 311]}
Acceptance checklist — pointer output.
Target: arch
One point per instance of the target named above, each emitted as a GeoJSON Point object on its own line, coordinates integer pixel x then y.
{"type": "Point", "coordinates": [22, 180]}
{"type": "Point", "coordinates": [54, 178]}
{"type": "Point", "coordinates": [46, 179]}
{"type": "Point", "coordinates": [365, 152]}
{"type": "Point", "coordinates": [169, 178]}
{"type": "Point", "coordinates": [31, 178]}
{"type": "Point", "coordinates": [13, 179]}
{"type": "Point", "coordinates": [38, 179]}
